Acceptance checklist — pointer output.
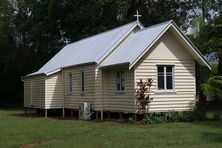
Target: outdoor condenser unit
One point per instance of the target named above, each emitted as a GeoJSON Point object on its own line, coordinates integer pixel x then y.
{"type": "Point", "coordinates": [85, 111]}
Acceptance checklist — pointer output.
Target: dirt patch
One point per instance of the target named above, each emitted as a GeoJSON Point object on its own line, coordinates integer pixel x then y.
{"type": "Point", "coordinates": [116, 126]}
{"type": "Point", "coordinates": [31, 145]}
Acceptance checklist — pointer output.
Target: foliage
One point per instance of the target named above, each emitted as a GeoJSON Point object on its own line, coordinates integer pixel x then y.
{"type": "Point", "coordinates": [153, 118]}
{"type": "Point", "coordinates": [208, 40]}
{"type": "Point", "coordinates": [143, 95]}
{"type": "Point", "coordinates": [131, 120]}
{"type": "Point", "coordinates": [212, 88]}
{"type": "Point", "coordinates": [195, 115]}
{"type": "Point", "coordinates": [216, 116]}
{"type": "Point", "coordinates": [173, 116]}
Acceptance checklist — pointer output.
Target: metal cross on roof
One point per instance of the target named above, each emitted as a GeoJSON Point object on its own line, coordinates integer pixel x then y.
{"type": "Point", "coordinates": [66, 41]}
{"type": "Point", "coordinates": [137, 15]}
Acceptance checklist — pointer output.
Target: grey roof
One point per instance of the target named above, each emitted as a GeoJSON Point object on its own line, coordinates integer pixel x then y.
{"type": "Point", "coordinates": [135, 45]}
{"type": "Point", "coordinates": [87, 50]}
{"type": "Point", "coordinates": [96, 48]}
{"type": "Point", "coordinates": [140, 42]}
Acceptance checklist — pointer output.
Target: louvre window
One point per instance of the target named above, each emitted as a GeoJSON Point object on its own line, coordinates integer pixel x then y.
{"type": "Point", "coordinates": [120, 80]}
{"type": "Point", "coordinates": [82, 81]}
{"type": "Point", "coordinates": [70, 82]}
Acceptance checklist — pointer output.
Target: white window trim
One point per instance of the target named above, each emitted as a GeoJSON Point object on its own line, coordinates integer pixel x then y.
{"type": "Point", "coordinates": [165, 76]}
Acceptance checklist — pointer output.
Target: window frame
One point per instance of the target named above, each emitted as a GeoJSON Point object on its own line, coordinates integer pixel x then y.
{"type": "Point", "coordinates": [120, 80]}
{"type": "Point", "coordinates": [70, 82]}
{"type": "Point", "coordinates": [165, 78]}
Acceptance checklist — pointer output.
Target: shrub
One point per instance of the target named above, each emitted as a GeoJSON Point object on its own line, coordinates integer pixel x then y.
{"type": "Point", "coordinates": [173, 116]}
{"type": "Point", "coordinates": [216, 116]}
{"type": "Point", "coordinates": [131, 119]}
{"type": "Point", "coordinates": [154, 118]}
{"type": "Point", "coordinates": [197, 115]}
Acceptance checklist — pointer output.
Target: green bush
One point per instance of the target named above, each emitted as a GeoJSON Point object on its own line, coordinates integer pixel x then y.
{"type": "Point", "coordinates": [216, 116]}
{"type": "Point", "coordinates": [195, 115]}
{"type": "Point", "coordinates": [174, 116]}
{"type": "Point", "coordinates": [131, 119]}
{"type": "Point", "coordinates": [154, 118]}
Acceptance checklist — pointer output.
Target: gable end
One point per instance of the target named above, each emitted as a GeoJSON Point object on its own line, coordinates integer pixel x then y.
{"type": "Point", "coordinates": [197, 55]}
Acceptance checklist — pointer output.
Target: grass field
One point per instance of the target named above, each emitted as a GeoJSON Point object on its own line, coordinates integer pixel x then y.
{"type": "Point", "coordinates": [19, 131]}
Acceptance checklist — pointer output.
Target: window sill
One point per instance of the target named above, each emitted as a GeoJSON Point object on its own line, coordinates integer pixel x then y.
{"type": "Point", "coordinates": [165, 91]}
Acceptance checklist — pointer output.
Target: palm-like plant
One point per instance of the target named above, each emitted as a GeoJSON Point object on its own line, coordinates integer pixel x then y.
{"type": "Point", "coordinates": [212, 88]}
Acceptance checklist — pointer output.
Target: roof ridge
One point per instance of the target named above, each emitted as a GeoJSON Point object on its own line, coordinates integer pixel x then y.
{"type": "Point", "coordinates": [156, 25]}
{"type": "Point", "coordinates": [101, 33]}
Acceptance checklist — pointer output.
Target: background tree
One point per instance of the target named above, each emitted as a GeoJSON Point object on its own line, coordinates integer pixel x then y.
{"type": "Point", "coordinates": [209, 40]}
{"type": "Point", "coordinates": [6, 51]}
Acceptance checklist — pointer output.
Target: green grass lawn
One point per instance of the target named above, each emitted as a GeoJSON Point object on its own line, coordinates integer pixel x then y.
{"type": "Point", "coordinates": [19, 131]}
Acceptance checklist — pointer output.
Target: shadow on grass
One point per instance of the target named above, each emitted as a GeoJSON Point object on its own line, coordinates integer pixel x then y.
{"type": "Point", "coordinates": [11, 109]}
{"type": "Point", "coordinates": [209, 123]}
{"type": "Point", "coordinates": [213, 137]}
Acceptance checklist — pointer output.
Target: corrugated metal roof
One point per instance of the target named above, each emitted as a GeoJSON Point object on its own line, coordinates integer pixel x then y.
{"type": "Point", "coordinates": [140, 42]}
{"type": "Point", "coordinates": [93, 49]}
{"type": "Point", "coordinates": [87, 50]}
{"type": "Point", "coordinates": [135, 45]}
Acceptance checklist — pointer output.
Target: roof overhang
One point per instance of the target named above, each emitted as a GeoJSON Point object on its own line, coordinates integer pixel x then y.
{"type": "Point", "coordinates": [55, 71]}
{"type": "Point", "coordinates": [32, 75]}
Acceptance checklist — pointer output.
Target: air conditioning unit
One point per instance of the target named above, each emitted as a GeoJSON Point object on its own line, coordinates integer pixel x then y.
{"type": "Point", "coordinates": [85, 111]}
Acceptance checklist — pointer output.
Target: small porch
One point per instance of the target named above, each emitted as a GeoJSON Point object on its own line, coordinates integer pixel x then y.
{"type": "Point", "coordinates": [118, 89]}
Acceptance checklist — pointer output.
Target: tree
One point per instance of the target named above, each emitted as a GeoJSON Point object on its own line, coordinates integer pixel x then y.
{"type": "Point", "coordinates": [212, 88]}
{"type": "Point", "coordinates": [209, 40]}
{"type": "Point", "coordinates": [7, 46]}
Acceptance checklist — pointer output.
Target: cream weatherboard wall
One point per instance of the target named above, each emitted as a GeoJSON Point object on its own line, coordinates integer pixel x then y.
{"type": "Point", "coordinates": [74, 98]}
{"type": "Point", "coordinates": [118, 101]}
{"type": "Point", "coordinates": [54, 95]}
{"type": "Point", "coordinates": [169, 51]}
{"type": "Point", "coordinates": [34, 91]}
{"type": "Point", "coordinates": [27, 92]}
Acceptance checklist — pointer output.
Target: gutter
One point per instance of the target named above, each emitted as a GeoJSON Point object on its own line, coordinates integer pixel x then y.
{"type": "Point", "coordinates": [31, 75]}
{"type": "Point", "coordinates": [114, 65]}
